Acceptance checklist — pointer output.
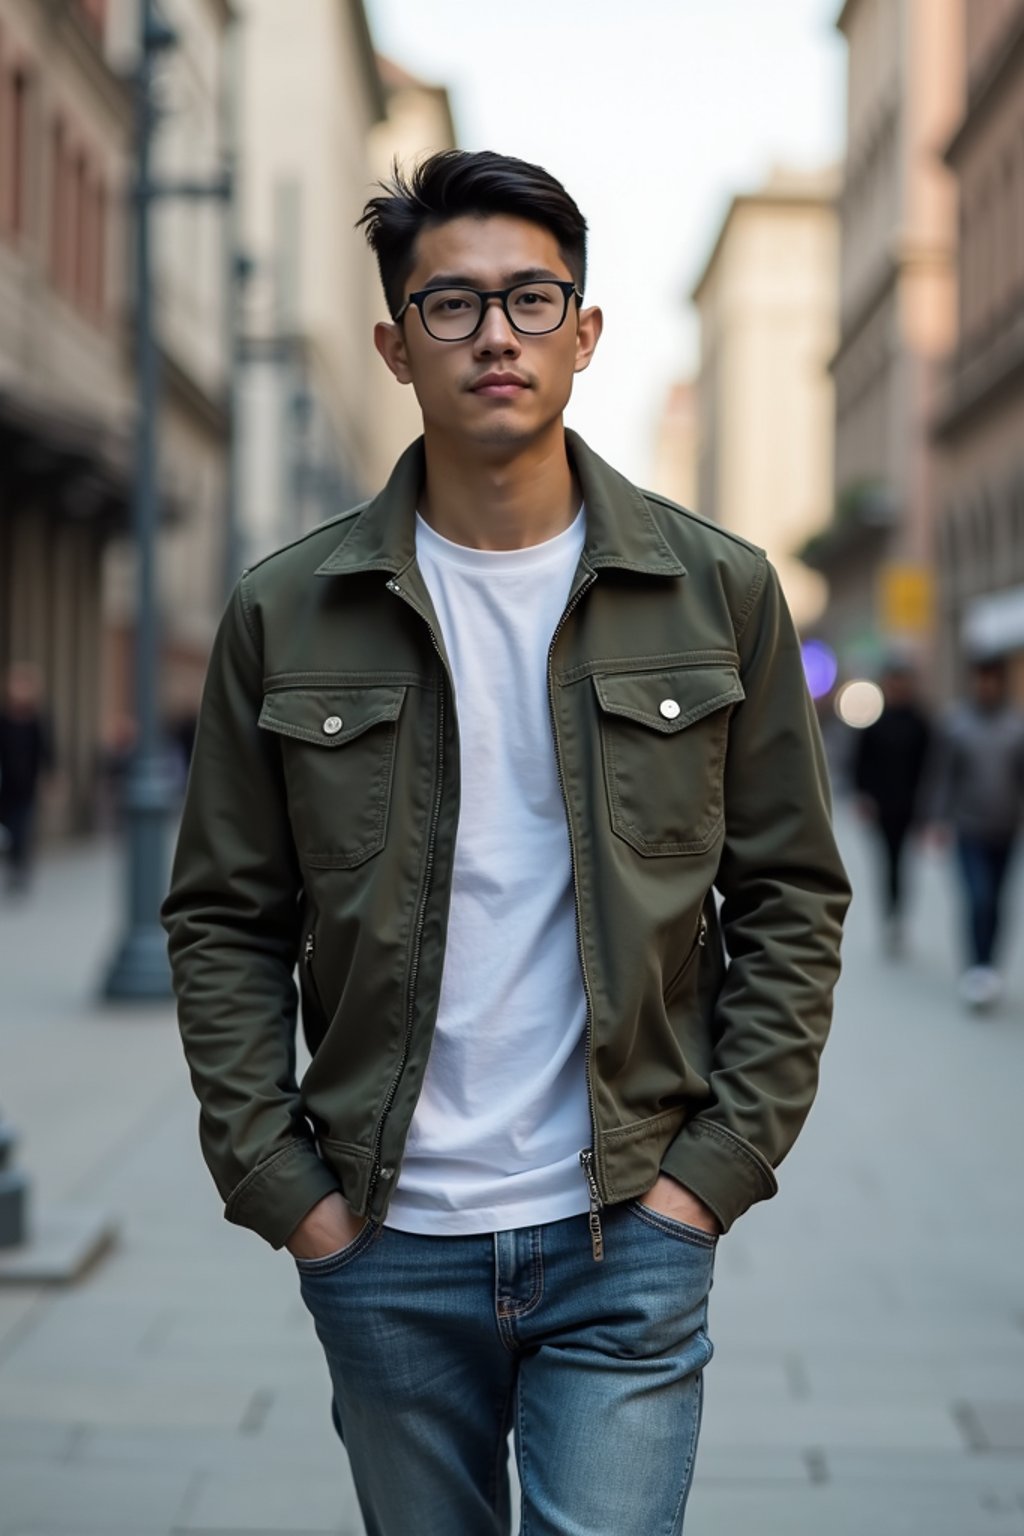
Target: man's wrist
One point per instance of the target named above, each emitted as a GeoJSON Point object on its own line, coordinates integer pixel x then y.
{"type": "Point", "coordinates": [326, 1227]}
{"type": "Point", "coordinates": [675, 1200]}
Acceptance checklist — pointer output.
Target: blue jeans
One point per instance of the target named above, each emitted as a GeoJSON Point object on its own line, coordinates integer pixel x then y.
{"type": "Point", "coordinates": [438, 1346]}
{"type": "Point", "coordinates": [984, 865]}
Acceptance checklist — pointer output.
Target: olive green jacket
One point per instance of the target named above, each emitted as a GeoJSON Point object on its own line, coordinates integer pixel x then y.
{"type": "Point", "coordinates": [319, 830]}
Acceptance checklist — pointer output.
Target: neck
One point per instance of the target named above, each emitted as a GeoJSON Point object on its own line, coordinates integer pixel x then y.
{"type": "Point", "coordinates": [504, 500]}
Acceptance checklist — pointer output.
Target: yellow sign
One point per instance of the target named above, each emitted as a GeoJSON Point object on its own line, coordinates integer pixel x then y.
{"type": "Point", "coordinates": [906, 599]}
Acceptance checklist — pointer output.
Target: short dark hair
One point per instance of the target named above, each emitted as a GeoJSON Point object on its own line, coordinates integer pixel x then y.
{"type": "Point", "coordinates": [453, 184]}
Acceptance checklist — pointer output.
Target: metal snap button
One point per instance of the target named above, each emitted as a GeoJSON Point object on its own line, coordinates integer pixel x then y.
{"type": "Point", "coordinates": [669, 708]}
{"type": "Point", "coordinates": [332, 725]}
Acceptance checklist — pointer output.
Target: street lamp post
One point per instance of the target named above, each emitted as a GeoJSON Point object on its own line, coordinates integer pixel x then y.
{"type": "Point", "coordinates": [239, 273]}
{"type": "Point", "coordinates": [140, 968]}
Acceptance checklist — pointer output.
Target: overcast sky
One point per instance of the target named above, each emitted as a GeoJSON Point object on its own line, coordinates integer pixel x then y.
{"type": "Point", "coordinates": [653, 113]}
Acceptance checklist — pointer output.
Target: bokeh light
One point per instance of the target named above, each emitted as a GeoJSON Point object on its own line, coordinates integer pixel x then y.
{"type": "Point", "coordinates": [859, 703]}
{"type": "Point", "coordinates": [820, 667]}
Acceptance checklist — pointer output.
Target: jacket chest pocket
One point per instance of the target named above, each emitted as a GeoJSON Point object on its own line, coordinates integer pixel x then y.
{"type": "Point", "coordinates": [663, 740]}
{"type": "Point", "coordinates": [338, 751]}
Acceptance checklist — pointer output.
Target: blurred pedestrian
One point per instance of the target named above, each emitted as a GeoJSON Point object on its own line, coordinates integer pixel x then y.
{"type": "Point", "coordinates": [25, 757]}
{"type": "Point", "coordinates": [889, 760]}
{"type": "Point", "coordinates": [474, 754]}
{"type": "Point", "coordinates": [979, 795]}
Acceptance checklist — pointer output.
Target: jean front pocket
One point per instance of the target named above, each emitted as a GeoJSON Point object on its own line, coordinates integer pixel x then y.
{"type": "Point", "coordinates": [664, 736]}
{"type": "Point", "coordinates": [330, 1263]}
{"type": "Point", "coordinates": [338, 754]}
{"type": "Point", "coordinates": [676, 1231]}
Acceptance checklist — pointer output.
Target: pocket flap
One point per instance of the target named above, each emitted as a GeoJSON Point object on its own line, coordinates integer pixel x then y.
{"type": "Point", "coordinates": [329, 716]}
{"type": "Point", "coordinates": [671, 700]}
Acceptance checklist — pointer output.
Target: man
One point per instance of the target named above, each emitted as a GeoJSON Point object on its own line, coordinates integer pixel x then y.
{"type": "Point", "coordinates": [979, 793]}
{"type": "Point", "coordinates": [475, 753]}
{"type": "Point", "coordinates": [888, 767]}
{"type": "Point", "coordinates": [25, 757]}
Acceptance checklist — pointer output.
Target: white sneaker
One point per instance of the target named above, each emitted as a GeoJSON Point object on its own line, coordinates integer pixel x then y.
{"type": "Point", "coordinates": [980, 986]}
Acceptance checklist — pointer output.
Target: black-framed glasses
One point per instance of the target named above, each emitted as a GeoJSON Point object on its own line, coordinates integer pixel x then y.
{"type": "Point", "coordinates": [456, 314]}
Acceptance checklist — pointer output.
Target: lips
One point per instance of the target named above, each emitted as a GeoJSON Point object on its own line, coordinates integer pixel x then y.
{"type": "Point", "coordinates": [499, 385]}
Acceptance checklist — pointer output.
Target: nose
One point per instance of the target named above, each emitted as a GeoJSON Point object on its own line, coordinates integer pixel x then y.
{"type": "Point", "coordinates": [496, 334]}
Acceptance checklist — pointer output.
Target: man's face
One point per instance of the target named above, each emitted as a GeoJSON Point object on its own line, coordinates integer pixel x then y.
{"type": "Point", "coordinates": [498, 389]}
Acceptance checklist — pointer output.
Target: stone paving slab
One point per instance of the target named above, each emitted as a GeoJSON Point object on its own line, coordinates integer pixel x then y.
{"type": "Point", "coordinates": [209, 1450]}
{"type": "Point", "coordinates": [89, 1400]}
{"type": "Point", "coordinates": [903, 1426]}
{"type": "Point", "coordinates": [97, 1500]}
{"type": "Point", "coordinates": [275, 1499]}
{"type": "Point", "coordinates": [995, 1474]}
{"type": "Point", "coordinates": [28, 1440]}
{"type": "Point", "coordinates": [735, 1464]}
{"type": "Point", "coordinates": [919, 1510]}
{"type": "Point", "coordinates": [16, 1308]}
{"type": "Point", "coordinates": [994, 1426]}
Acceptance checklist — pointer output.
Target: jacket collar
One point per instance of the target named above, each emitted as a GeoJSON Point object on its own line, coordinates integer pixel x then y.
{"type": "Point", "coordinates": [620, 530]}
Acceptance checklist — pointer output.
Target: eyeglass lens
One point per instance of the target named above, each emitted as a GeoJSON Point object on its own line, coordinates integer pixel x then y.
{"type": "Point", "coordinates": [452, 314]}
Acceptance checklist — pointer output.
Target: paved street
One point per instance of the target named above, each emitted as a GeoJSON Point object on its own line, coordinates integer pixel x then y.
{"type": "Point", "coordinates": [869, 1375]}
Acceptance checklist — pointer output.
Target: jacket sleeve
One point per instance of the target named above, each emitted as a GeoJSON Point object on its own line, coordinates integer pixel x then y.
{"type": "Point", "coordinates": [233, 917]}
{"type": "Point", "coordinates": [785, 894]}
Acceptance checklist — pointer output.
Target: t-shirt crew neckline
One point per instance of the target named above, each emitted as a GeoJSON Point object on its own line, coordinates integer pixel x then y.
{"type": "Point", "coordinates": [529, 557]}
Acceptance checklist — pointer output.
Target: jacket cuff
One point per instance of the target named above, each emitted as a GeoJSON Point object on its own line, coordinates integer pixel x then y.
{"type": "Point", "coordinates": [722, 1170]}
{"type": "Point", "coordinates": [275, 1196]}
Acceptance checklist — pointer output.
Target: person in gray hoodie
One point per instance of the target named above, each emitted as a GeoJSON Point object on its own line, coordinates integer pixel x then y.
{"type": "Point", "coordinates": [979, 795]}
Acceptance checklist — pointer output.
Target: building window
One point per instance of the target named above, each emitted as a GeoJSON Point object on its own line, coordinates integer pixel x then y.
{"type": "Point", "coordinates": [96, 297]}
{"type": "Point", "coordinates": [79, 222]}
{"type": "Point", "coordinates": [16, 170]}
{"type": "Point", "coordinates": [78, 219]}
{"type": "Point", "coordinates": [1018, 218]}
{"type": "Point", "coordinates": [1006, 234]}
{"type": "Point", "coordinates": [3, 135]}
{"type": "Point", "coordinates": [58, 205]}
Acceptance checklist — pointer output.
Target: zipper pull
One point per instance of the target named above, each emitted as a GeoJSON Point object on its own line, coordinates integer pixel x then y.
{"type": "Point", "coordinates": [702, 934]}
{"type": "Point", "coordinates": [308, 948]}
{"type": "Point", "coordinates": [594, 1218]}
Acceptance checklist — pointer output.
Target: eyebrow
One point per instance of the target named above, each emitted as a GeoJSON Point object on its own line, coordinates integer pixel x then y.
{"type": "Point", "coordinates": [508, 280]}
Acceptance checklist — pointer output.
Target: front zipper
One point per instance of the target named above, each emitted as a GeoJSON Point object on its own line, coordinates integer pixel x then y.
{"type": "Point", "coordinates": [375, 1167]}
{"type": "Point", "coordinates": [587, 1157]}
{"type": "Point", "coordinates": [594, 1216]}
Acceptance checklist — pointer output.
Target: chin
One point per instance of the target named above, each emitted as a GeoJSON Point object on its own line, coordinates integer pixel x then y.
{"type": "Point", "coordinates": [508, 430]}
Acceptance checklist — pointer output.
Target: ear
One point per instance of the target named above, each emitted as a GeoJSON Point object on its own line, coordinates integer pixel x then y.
{"type": "Point", "coordinates": [588, 333]}
{"type": "Point", "coordinates": [389, 339]}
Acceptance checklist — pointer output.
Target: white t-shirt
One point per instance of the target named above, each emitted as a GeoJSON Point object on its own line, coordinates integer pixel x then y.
{"type": "Point", "coordinates": [503, 1114]}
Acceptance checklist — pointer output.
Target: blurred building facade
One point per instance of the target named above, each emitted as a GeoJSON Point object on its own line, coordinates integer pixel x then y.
{"type": "Point", "coordinates": [65, 395]}
{"type": "Point", "coordinates": [674, 465]}
{"type": "Point", "coordinates": [313, 116]}
{"type": "Point", "coordinates": [980, 423]}
{"type": "Point", "coordinates": [323, 115]}
{"type": "Point", "coordinates": [897, 319]}
{"type": "Point", "coordinates": [311, 95]}
{"type": "Point", "coordinates": [767, 306]}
